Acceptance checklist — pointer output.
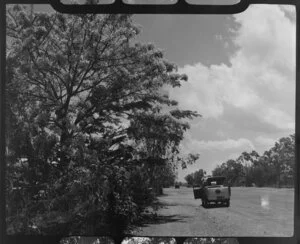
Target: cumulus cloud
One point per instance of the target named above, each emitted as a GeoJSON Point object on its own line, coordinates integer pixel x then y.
{"type": "Point", "coordinates": [199, 146]}
{"type": "Point", "coordinates": [265, 141]}
{"type": "Point", "coordinates": [212, 152]}
{"type": "Point", "coordinates": [249, 102]}
{"type": "Point", "coordinates": [279, 118]}
{"type": "Point", "coordinates": [260, 77]}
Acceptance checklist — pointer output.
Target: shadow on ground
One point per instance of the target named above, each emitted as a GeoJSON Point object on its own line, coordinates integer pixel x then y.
{"type": "Point", "coordinates": [214, 206]}
{"type": "Point", "coordinates": [150, 216]}
{"type": "Point", "coordinates": [161, 219]}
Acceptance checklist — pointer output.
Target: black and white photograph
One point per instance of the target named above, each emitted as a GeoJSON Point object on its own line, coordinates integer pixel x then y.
{"type": "Point", "coordinates": [150, 125]}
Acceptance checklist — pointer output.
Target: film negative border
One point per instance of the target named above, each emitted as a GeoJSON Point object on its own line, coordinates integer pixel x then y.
{"type": "Point", "coordinates": [181, 7]}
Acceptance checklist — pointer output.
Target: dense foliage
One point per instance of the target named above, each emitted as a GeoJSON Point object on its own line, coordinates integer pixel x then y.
{"type": "Point", "coordinates": [274, 168]}
{"type": "Point", "coordinates": [91, 136]}
{"type": "Point", "coordinates": [195, 178]}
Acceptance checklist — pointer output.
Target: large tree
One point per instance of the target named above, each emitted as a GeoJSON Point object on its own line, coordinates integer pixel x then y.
{"type": "Point", "coordinates": [281, 160]}
{"type": "Point", "coordinates": [86, 117]}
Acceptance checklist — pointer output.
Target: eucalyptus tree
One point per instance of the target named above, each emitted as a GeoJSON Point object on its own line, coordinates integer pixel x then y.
{"type": "Point", "coordinates": [281, 160]}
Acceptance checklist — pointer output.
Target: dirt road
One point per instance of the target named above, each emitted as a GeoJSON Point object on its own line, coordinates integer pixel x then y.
{"type": "Point", "coordinates": [252, 212]}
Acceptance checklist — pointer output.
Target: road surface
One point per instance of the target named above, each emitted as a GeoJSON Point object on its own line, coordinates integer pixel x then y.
{"type": "Point", "coordinates": [252, 212]}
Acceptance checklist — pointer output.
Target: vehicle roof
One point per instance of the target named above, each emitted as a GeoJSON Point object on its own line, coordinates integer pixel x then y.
{"type": "Point", "coordinates": [213, 177]}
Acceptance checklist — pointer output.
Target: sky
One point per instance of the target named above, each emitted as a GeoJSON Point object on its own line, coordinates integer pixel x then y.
{"type": "Point", "coordinates": [241, 71]}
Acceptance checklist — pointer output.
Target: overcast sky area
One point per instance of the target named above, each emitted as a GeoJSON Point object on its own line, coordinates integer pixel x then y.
{"type": "Point", "coordinates": [241, 71]}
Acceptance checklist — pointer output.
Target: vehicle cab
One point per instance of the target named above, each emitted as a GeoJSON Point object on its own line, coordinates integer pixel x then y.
{"type": "Point", "coordinates": [213, 189]}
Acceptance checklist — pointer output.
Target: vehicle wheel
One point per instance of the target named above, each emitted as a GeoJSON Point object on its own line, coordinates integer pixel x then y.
{"type": "Point", "coordinates": [227, 203]}
{"type": "Point", "coordinates": [204, 203]}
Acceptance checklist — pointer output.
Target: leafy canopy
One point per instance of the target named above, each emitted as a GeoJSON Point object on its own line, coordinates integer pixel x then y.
{"type": "Point", "coordinates": [87, 117]}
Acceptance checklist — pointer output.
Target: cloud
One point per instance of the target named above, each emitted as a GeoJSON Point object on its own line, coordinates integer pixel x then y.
{"type": "Point", "coordinates": [265, 141]}
{"type": "Point", "coordinates": [289, 11]}
{"type": "Point", "coordinates": [201, 92]}
{"type": "Point", "coordinates": [279, 118]}
{"type": "Point", "coordinates": [212, 152]}
{"type": "Point", "coordinates": [199, 146]}
{"type": "Point", "coordinates": [288, 8]}
{"type": "Point", "coordinates": [249, 102]}
{"type": "Point", "coordinates": [260, 78]}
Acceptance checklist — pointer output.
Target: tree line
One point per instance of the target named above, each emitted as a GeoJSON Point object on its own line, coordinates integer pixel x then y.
{"type": "Point", "coordinates": [195, 178]}
{"type": "Point", "coordinates": [274, 168]}
{"type": "Point", "coordinates": [91, 136]}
